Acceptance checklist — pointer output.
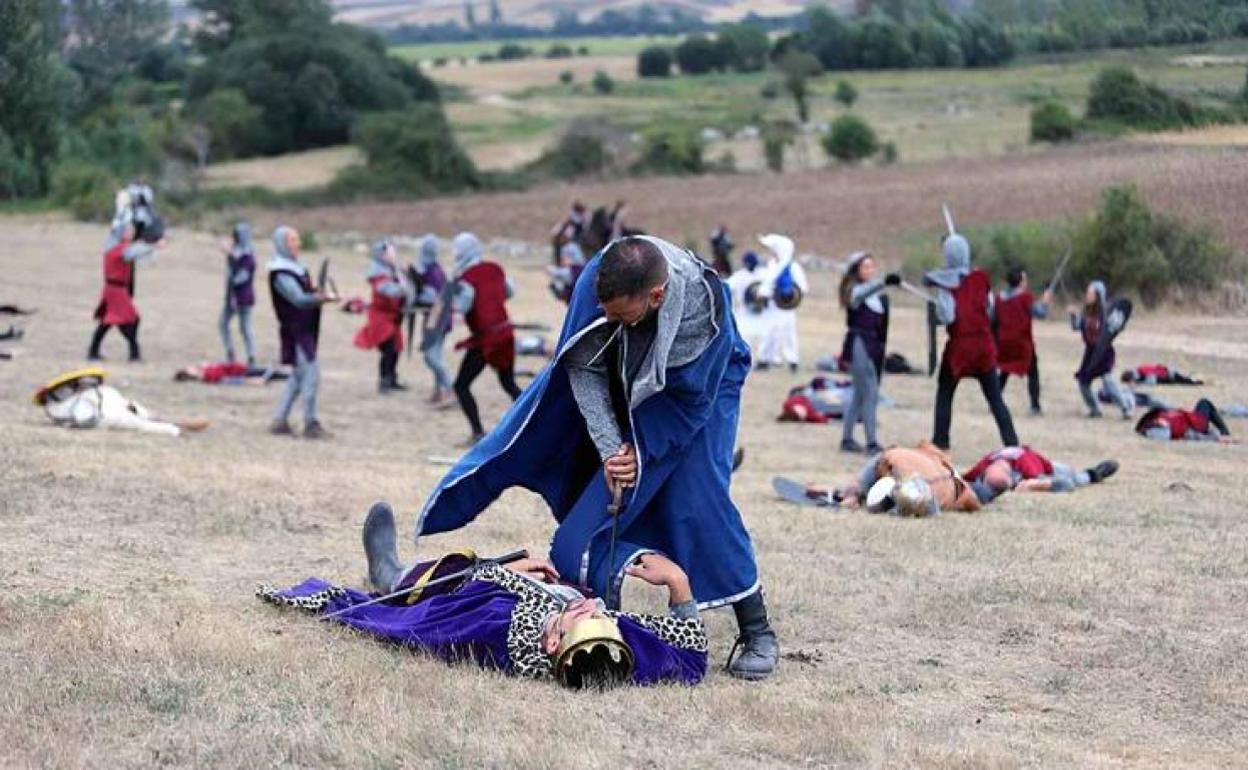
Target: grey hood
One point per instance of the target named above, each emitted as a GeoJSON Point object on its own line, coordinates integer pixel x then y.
{"type": "Point", "coordinates": [242, 240]}
{"type": "Point", "coordinates": [957, 251]}
{"type": "Point", "coordinates": [283, 259]}
{"type": "Point", "coordinates": [468, 251]}
{"type": "Point", "coordinates": [428, 251]}
{"type": "Point", "coordinates": [378, 265]}
{"type": "Point", "coordinates": [688, 320]}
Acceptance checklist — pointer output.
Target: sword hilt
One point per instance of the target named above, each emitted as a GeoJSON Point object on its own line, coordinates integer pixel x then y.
{"type": "Point", "coordinates": [617, 500]}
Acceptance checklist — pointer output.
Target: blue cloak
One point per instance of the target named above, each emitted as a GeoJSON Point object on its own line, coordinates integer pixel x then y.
{"type": "Point", "coordinates": [684, 435]}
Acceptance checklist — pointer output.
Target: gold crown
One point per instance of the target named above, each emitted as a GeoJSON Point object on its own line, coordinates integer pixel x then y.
{"type": "Point", "coordinates": [588, 639]}
{"type": "Point", "coordinates": [94, 372]}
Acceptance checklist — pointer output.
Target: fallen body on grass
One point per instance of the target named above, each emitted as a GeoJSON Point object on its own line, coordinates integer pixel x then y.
{"type": "Point", "coordinates": [518, 618]}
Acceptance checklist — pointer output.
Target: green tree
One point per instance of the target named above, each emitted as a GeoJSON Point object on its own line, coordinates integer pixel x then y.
{"type": "Point", "coordinates": [698, 55]}
{"type": "Point", "coordinates": [846, 94]}
{"type": "Point", "coordinates": [36, 95]}
{"type": "Point", "coordinates": [850, 139]}
{"type": "Point", "coordinates": [654, 62]}
{"type": "Point", "coordinates": [798, 67]}
{"type": "Point", "coordinates": [231, 121]}
{"type": "Point", "coordinates": [110, 38]}
{"type": "Point", "coordinates": [743, 47]}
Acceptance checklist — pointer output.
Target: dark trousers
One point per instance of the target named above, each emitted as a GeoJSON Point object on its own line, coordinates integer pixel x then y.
{"type": "Point", "coordinates": [990, 384]}
{"type": "Point", "coordinates": [388, 368]}
{"type": "Point", "coordinates": [1033, 382]}
{"type": "Point", "coordinates": [1205, 408]}
{"type": "Point", "coordinates": [469, 369]}
{"type": "Point", "coordinates": [129, 331]}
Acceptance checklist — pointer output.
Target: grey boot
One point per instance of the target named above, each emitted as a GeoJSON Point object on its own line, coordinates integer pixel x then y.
{"type": "Point", "coordinates": [759, 651]}
{"type": "Point", "coordinates": [381, 548]}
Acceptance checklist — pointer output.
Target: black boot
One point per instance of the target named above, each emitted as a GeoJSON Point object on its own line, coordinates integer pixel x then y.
{"type": "Point", "coordinates": [1102, 470]}
{"type": "Point", "coordinates": [759, 652]}
{"type": "Point", "coordinates": [381, 548]}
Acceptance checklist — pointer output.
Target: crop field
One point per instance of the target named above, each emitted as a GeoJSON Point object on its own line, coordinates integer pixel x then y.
{"type": "Point", "coordinates": [470, 49]}
{"type": "Point", "coordinates": [927, 114]}
{"type": "Point", "coordinates": [1099, 629]}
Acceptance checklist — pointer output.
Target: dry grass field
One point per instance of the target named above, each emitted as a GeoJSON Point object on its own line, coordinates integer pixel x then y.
{"type": "Point", "coordinates": [1101, 629]}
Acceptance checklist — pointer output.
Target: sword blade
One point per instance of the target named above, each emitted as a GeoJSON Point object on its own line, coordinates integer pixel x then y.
{"type": "Point", "coordinates": [504, 559]}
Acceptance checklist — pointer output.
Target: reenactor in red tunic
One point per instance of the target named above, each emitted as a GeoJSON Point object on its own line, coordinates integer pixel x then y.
{"type": "Point", "coordinates": [964, 305]}
{"type": "Point", "coordinates": [480, 293]}
{"type": "Point", "coordinates": [384, 328]}
{"type": "Point", "coordinates": [116, 306]}
{"type": "Point", "coordinates": [1016, 348]}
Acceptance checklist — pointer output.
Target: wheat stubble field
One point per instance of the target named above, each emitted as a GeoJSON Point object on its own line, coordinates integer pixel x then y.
{"type": "Point", "coordinates": [1102, 629]}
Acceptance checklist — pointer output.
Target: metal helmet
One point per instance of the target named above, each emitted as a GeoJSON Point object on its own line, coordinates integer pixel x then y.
{"type": "Point", "coordinates": [593, 653]}
{"type": "Point", "coordinates": [914, 497]}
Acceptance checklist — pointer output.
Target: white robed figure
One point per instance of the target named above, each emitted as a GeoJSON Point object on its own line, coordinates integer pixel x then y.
{"type": "Point", "coordinates": [784, 284]}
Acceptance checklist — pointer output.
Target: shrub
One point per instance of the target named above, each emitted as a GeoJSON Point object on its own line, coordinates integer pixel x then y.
{"type": "Point", "coordinates": [777, 135]}
{"type": "Point", "coordinates": [559, 51]}
{"type": "Point", "coordinates": [1052, 122]}
{"type": "Point", "coordinates": [603, 83]}
{"type": "Point", "coordinates": [850, 139]}
{"type": "Point", "coordinates": [566, 77]}
{"type": "Point", "coordinates": [513, 52]}
{"type": "Point", "coordinates": [846, 94]}
{"type": "Point", "coordinates": [408, 153]}
{"type": "Point", "coordinates": [888, 153]}
{"type": "Point", "coordinates": [743, 47]}
{"type": "Point", "coordinates": [576, 154]}
{"type": "Point", "coordinates": [771, 90]}
{"type": "Point", "coordinates": [1133, 249]}
{"type": "Point", "coordinates": [87, 190]}
{"type": "Point", "coordinates": [654, 62]}
{"type": "Point", "coordinates": [232, 122]}
{"type": "Point", "coordinates": [672, 150]}
{"type": "Point", "coordinates": [1118, 95]}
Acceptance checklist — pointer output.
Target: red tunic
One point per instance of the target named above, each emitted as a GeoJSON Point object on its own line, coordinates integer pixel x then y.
{"type": "Point", "coordinates": [1015, 346]}
{"type": "Point", "coordinates": [487, 320]}
{"type": "Point", "coordinates": [1024, 461]}
{"type": "Point", "coordinates": [971, 350]}
{"type": "Point", "coordinates": [385, 319]}
{"type": "Point", "coordinates": [1178, 420]}
{"type": "Point", "coordinates": [116, 306]}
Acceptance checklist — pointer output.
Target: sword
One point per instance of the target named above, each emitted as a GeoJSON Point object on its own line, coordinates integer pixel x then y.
{"type": "Point", "coordinates": [1061, 268]}
{"type": "Point", "coordinates": [944, 207]}
{"type": "Point", "coordinates": [414, 278]}
{"type": "Point", "coordinates": [322, 279]}
{"type": "Point", "coordinates": [613, 510]}
{"type": "Point", "coordinates": [504, 559]}
{"type": "Point", "coordinates": [910, 288]}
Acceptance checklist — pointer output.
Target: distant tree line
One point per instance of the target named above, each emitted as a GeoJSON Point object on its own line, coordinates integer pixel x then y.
{"type": "Point", "coordinates": [93, 92]}
{"type": "Point", "coordinates": [644, 20]}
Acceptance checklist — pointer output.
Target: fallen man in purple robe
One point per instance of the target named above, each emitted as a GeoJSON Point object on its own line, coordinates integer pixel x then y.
{"type": "Point", "coordinates": [517, 618]}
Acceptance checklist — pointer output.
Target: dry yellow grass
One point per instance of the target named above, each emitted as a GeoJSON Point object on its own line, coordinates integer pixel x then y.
{"type": "Point", "coordinates": [503, 77]}
{"type": "Point", "coordinates": [1102, 629]}
{"type": "Point", "coordinates": [284, 173]}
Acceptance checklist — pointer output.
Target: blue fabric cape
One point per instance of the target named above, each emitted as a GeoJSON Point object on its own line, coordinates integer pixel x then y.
{"type": "Point", "coordinates": [680, 507]}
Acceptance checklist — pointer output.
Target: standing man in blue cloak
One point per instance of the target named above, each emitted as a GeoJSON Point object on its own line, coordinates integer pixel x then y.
{"type": "Point", "coordinates": [642, 398]}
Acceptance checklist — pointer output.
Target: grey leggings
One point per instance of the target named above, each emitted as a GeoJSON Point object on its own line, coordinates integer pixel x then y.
{"type": "Point", "coordinates": [304, 381]}
{"type": "Point", "coordinates": [866, 398]}
{"type": "Point", "coordinates": [244, 326]}
{"type": "Point", "coordinates": [431, 349]}
{"type": "Point", "coordinates": [1124, 399]}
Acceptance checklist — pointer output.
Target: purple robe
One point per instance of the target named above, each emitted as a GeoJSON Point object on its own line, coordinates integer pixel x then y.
{"type": "Point", "coordinates": [242, 294]}
{"type": "Point", "coordinates": [472, 623]}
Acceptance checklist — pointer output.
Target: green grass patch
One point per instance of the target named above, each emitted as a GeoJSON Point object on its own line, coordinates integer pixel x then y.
{"type": "Point", "coordinates": [471, 49]}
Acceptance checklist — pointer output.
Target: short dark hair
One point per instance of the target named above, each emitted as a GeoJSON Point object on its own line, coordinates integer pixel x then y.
{"type": "Point", "coordinates": [1015, 277]}
{"type": "Point", "coordinates": [629, 267]}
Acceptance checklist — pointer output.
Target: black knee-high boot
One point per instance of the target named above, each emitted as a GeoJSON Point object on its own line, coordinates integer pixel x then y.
{"type": "Point", "coordinates": [759, 652]}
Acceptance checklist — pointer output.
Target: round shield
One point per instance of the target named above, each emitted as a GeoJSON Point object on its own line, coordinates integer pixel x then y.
{"type": "Point", "coordinates": [755, 301]}
{"type": "Point", "coordinates": [68, 378]}
{"type": "Point", "coordinates": [789, 299]}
